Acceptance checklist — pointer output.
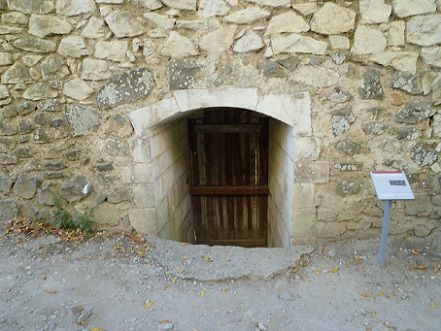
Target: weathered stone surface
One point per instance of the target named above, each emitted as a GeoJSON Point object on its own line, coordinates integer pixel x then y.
{"type": "Point", "coordinates": [149, 4]}
{"type": "Point", "coordinates": [73, 46]}
{"type": "Point", "coordinates": [194, 25]}
{"type": "Point", "coordinates": [178, 46]}
{"type": "Point", "coordinates": [31, 6]}
{"type": "Point", "coordinates": [4, 92]}
{"type": "Point", "coordinates": [368, 40]}
{"type": "Point", "coordinates": [5, 59]}
{"type": "Point", "coordinates": [374, 128]}
{"type": "Point", "coordinates": [51, 65]}
{"type": "Point", "coordinates": [349, 147]}
{"type": "Point", "coordinates": [46, 25]}
{"type": "Point", "coordinates": [424, 155]}
{"type": "Point", "coordinates": [219, 40]}
{"type": "Point", "coordinates": [287, 22]}
{"type": "Point", "coordinates": [94, 29]}
{"type": "Point", "coordinates": [340, 124]}
{"type": "Point", "coordinates": [163, 22]}
{"type": "Point", "coordinates": [77, 89]}
{"type": "Point", "coordinates": [404, 8]}
{"type": "Point", "coordinates": [14, 18]}
{"type": "Point", "coordinates": [407, 82]}
{"type": "Point", "coordinates": [432, 55]}
{"type": "Point", "coordinates": [114, 50]}
{"type": "Point", "coordinates": [75, 7]}
{"type": "Point", "coordinates": [306, 8]}
{"type": "Point", "coordinates": [5, 183]}
{"type": "Point", "coordinates": [40, 91]}
{"type": "Point", "coordinates": [374, 11]}
{"type": "Point", "coordinates": [118, 125]}
{"type": "Point", "coordinates": [414, 111]}
{"type": "Point", "coordinates": [424, 30]}
{"type": "Point", "coordinates": [295, 43]}
{"type": "Point", "coordinates": [46, 197]}
{"type": "Point", "coordinates": [76, 188]}
{"type": "Point", "coordinates": [106, 213]}
{"type": "Point", "coordinates": [33, 44]}
{"type": "Point", "coordinates": [248, 15]}
{"type": "Point", "coordinates": [16, 74]}
{"type": "Point", "coordinates": [271, 68]}
{"type": "Point", "coordinates": [249, 42]}
{"type": "Point", "coordinates": [95, 70]}
{"type": "Point", "coordinates": [436, 90]}
{"type": "Point", "coordinates": [80, 118]}
{"type": "Point", "coordinates": [8, 210]}
{"type": "Point", "coordinates": [124, 88]}
{"type": "Point", "coordinates": [348, 187]}
{"type": "Point", "coordinates": [110, 2]}
{"type": "Point", "coordinates": [25, 186]}
{"type": "Point", "coordinates": [339, 42]}
{"type": "Point", "coordinates": [333, 19]}
{"type": "Point", "coordinates": [271, 3]}
{"type": "Point", "coordinates": [403, 61]}
{"type": "Point", "coordinates": [124, 24]}
{"type": "Point", "coordinates": [181, 4]}
{"type": "Point", "coordinates": [339, 96]}
{"type": "Point", "coordinates": [316, 76]}
{"type": "Point", "coordinates": [210, 8]}
{"type": "Point", "coordinates": [182, 72]}
{"type": "Point", "coordinates": [395, 33]}
{"type": "Point", "coordinates": [371, 88]}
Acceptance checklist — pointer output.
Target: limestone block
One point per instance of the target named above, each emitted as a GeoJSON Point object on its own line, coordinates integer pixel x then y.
{"type": "Point", "coordinates": [219, 40]}
{"type": "Point", "coordinates": [403, 61]}
{"type": "Point", "coordinates": [125, 87]}
{"type": "Point", "coordinates": [118, 125]}
{"type": "Point", "coordinates": [316, 76]}
{"type": "Point", "coordinates": [77, 89]}
{"type": "Point", "coordinates": [432, 55]}
{"type": "Point", "coordinates": [304, 195]}
{"type": "Point", "coordinates": [248, 15]}
{"type": "Point", "coordinates": [333, 19]}
{"type": "Point", "coordinates": [424, 30]}
{"type": "Point", "coordinates": [271, 3]}
{"type": "Point", "coordinates": [75, 7]}
{"type": "Point", "coordinates": [372, 87]}
{"type": "Point", "coordinates": [14, 18]}
{"type": "Point", "coordinates": [40, 91]}
{"type": "Point", "coordinates": [210, 8]}
{"type": "Point", "coordinates": [114, 50]}
{"type": "Point", "coordinates": [287, 22]}
{"type": "Point", "coordinates": [106, 213]}
{"type": "Point", "coordinates": [404, 8]}
{"type": "Point", "coordinates": [149, 4]}
{"type": "Point", "coordinates": [46, 25]}
{"type": "Point", "coordinates": [374, 11]}
{"type": "Point", "coordinates": [25, 186]}
{"type": "Point", "coordinates": [16, 74]}
{"type": "Point", "coordinates": [8, 210]}
{"type": "Point", "coordinates": [124, 24]}
{"type": "Point", "coordinates": [163, 22]}
{"type": "Point", "coordinates": [31, 6]}
{"type": "Point", "coordinates": [144, 118]}
{"type": "Point", "coordinates": [5, 58]}
{"type": "Point", "coordinates": [73, 46]}
{"type": "Point", "coordinates": [143, 220]}
{"type": "Point", "coordinates": [178, 46]}
{"type": "Point", "coordinates": [181, 4]}
{"type": "Point", "coordinates": [5, 183]}
{"type": "Point", "coordinates": [80, 118]}
{"type": "Point", "coordinates": [143, 195]}
{"type": "Point", "coordinates": [339, 42]}
{"type": "Point", "coordinates": [295, 43]}
{"type": "Point", "coordinates": [249, 42]}
{"type": "Point", "coordinates": [33, 44]}
{"type": "Point", "coordinates": [368, 40]}
{"type": "Point", "coordinates": [407, 82]}
{"type": "Point", "coordinates": [396, 31]}
{"type": "Point", "coordinates": [292, 109]}
{"type": "Point", "coordinates": [414, 111]}
{"type": "Point", "coordinates": [143, 173]}
{"type": "Point", "coordinates": [306, 148]}
{"type": "Point", "coordinates": [311, 172]}
{"type": "Point", "coordinates": [94, 29]}
{"type": "Point", "coordinates": [95, 69]}
{"type": "Point", "coordinates": [421, 206]}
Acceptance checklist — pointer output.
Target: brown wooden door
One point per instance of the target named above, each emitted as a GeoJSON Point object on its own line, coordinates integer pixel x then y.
{"type": "Point", "coordinates": [229, 163]}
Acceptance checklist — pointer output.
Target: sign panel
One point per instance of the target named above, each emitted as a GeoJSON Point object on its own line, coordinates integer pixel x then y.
{"type": "Point", "coordinates": [391, 185]}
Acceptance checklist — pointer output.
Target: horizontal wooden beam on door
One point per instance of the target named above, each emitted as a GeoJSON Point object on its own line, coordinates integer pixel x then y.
{"type": "Point", "coordinates": [227, 128]}
{"type": "Point", "coordinates": [229, 190]}
{"type": "Point", "coordinates": [234, 242]}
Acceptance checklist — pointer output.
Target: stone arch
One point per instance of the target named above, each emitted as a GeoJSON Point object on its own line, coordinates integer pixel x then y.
{"type": "Point", "coordinates": [292, 144]}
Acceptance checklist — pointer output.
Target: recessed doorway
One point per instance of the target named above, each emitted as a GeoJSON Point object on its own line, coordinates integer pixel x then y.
{"type": "Point", "coordinates": [229, 177]}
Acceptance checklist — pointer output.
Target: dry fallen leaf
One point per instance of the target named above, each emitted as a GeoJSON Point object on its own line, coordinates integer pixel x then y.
{"type": "Point", "coordinates": [201, 293]}
{"type": "Point", "coordinates": [207, 258]}
{"type": "Point", "coordinates": [96, 329]}
{"type": "Point", "coordinates": [415, 252]}
{"type": "Point", "coordinates": [174, 280]}
{"type": "Point", "coordinates": [420, 267]}
{"type": "Point", "coordinates": [318, 272]}
{"type": "Point", "coordinates": [296, 268]}
{"type": "Point", "coordinates": [356, 260]}
{"type": "Point", "coordinates": [433, 304]}
{"type": "Point", "coordinates": [165, 321]}
{"type": "Point", "coordinates": [437, 267]}
{"type": "Point", "coordinates": [334, 270]}
{"type": "Point", "coordinates": [149, 304]}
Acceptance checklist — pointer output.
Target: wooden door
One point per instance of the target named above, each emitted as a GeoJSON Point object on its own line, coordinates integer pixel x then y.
{"type": "Point", "coordinates": [229, 164]}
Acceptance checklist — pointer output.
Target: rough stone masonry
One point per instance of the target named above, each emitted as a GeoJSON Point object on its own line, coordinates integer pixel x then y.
{"type": "Point", "coordinates": [72, 71]}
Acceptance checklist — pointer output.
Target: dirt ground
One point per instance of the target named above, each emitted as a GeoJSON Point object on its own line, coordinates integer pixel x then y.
{"type": "Point", "coordinates": [123, 283]}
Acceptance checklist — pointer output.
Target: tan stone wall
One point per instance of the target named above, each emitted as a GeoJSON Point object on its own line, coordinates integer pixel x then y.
{"type": "Point", "coordinates": [72, 71]}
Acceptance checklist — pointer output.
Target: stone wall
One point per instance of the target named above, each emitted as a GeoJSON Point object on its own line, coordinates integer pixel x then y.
{"type": "Point", "coordinates": [72, 71]}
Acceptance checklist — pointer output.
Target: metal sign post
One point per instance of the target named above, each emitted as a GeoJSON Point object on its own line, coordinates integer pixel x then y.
{"type": "Point", "coordinates": [389, 186]}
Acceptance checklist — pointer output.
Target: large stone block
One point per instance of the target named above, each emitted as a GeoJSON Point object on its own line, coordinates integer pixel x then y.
{"type": "Point", "coordinates": [8, 210]}
{"type": "Point", "coordinates": [80, 118]}
{"type": "Point", "coordinates": [143, 220]}
{"type": "Point", "coordinates": [333, 19]}
{"type": "Point", "coordinates": [25, 186]}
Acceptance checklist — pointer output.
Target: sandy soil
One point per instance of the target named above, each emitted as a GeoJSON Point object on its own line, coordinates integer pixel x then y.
{"type": "Point", "coordinates": [121, 284]}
